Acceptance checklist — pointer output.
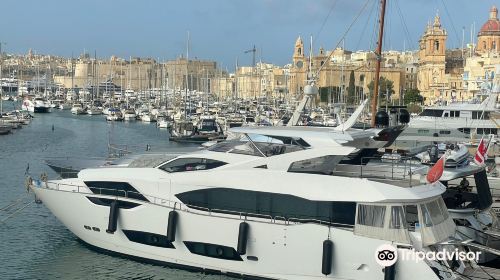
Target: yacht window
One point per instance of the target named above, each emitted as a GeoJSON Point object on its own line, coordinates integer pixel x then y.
{"type": "Point", "coordinates": [208, 125]}
{"type": "Point", "coordinates": [371, 215]}
{"type": "Point", "coordinates": [213, 251]}
{"type": "Point", "coordinates": [446, 114]}
{"type": "Point", "coordinates": [320, 165]}
{"type": "Point", "coordinates": [432, 214]}
{"type": "Point", "coordinates": [148, 238]}
{"type": "Point", "coordinates": [480, 115]}
{"type": "Point", "coordinates": [432, 113]}
{"type": "Point", "coordinates": [411, 216]}
{"type": "Point", "coordinates": [257, 145]}
{"type": "Point", "coordinates": [464, 130]}
{"type": "Point", "coordinates": [486, 131]}
{"type": "Point", "coordinates": [115, 189]}
{"type": "Point", "coordinates": [398, 219]}
{"type": "Point", "coordinates": [423, 131]}
{"type": "Point", "coordinates": [191, 164]}
{"type": "Point", "coordinates": [253, 203]}
{"type": "Point", "coordinates": [444, 132]}
{"type": "Point", "coordinates": [392, 222]}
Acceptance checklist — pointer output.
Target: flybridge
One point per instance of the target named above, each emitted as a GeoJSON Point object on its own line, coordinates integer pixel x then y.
{"type": "Point", "coordinates": [312, 135]}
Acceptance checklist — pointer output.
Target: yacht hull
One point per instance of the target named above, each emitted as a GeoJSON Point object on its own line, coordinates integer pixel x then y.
{"type": "Point", "coordinates": [42, 109]}
{"type": "Point", "coordinates": [275, 250]}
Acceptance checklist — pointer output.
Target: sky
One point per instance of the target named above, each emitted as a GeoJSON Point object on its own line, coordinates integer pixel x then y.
{"type": "Point", "coordinates": [222, 30]}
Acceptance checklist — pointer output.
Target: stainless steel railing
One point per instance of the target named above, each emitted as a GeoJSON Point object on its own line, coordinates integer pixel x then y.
{"type": "Point", "coordinates": [175, 205]}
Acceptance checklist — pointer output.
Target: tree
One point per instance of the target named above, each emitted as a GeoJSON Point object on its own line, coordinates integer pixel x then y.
{"type": "Point", "coordinates": [351, 90]}
{"type": "Point", "coordinates": [324, 93]}
{"type": "Point", "coordinates": [386, 86]}
{"type": "Point", "coordinates": [413, 96]}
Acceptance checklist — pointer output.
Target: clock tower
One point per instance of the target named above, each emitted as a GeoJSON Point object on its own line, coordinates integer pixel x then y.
{"type": "Point", "coordinates": [299, 69]}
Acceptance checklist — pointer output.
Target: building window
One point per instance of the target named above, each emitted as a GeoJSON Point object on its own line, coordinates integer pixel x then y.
{"type": "Point", "coordinates": [484, 45]}
{"type": "Point", "coordinates": [436, 45]}
{"type": "Point", "coordinates": [299, 51]}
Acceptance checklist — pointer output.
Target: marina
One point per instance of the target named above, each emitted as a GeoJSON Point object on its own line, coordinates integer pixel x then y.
{"type": "Point", "coordinates": [339, 164]}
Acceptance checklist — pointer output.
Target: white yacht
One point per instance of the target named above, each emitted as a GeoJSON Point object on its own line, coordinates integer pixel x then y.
{"type": "Point", "coordinates": [114, 115]}
{"type": "Point", "coordinates": [148, 117]}
{"type": "Point", "coordinates": [78, 109]}
{"type": "Point", "coordinates": [463, 121]}
{"type": "Point", "coordinates": [37, 105]}
{"type": "Point", "coordinates": [250, 210]}
{"type": "Point", "coordinates": [93, 110]}
{"type": "Point", "coordinates": [129, 115]}
{"type": "Point", "coordinates": [164, 122]}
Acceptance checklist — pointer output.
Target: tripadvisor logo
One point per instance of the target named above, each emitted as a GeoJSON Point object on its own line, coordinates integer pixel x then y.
{"type": "Point", "coordinates": [387, 255]}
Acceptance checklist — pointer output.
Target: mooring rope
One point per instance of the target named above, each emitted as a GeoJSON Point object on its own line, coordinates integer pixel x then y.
{"type": "Point", "coordinates": [15, 212]}
{"type": "Point", "coordinates": [13, 203]}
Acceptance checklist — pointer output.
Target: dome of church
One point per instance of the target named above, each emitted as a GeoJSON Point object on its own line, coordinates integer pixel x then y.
{"type": "Point", "coordinates": [493, 24]}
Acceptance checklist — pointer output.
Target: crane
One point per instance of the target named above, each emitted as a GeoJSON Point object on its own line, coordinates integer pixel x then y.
{"type": "Point", "coordinates": [252, 51]}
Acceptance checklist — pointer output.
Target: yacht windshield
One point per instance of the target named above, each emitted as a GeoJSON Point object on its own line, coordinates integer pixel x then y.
{"type": "Point", "coordinates": [256, 145]}
{"type": "Point", "coordinates": [394, 222]}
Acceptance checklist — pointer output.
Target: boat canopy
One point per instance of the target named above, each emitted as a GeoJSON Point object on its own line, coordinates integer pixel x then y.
{"type": "Point", "coordinates": [394, 221]}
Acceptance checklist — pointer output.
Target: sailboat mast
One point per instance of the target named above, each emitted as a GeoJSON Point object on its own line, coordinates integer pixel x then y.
{"type": "Point", "coordinates": [187, 77]}
{"type": "Point", "coordinates": [378, 55]}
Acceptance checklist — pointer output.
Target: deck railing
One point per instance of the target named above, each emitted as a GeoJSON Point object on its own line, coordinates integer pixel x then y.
{"type": "Point", "coordinates": [175, 205]}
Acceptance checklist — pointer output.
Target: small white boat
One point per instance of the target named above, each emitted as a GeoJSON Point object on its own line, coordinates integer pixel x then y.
{"type": "Point", "coordinates": [77, 109]}
{"type": "Point", "coordinates": [63, 106]}
{"type": "Point", "coordinates": [114, 115]}
{"type": "Point", "coordinates": [129, 115]}
{"type": "Point", "coordinates": [147, 118]}
{"type": "Point", "coordinates": [164, 122]}
{"type": "Point", "coordinates": [94, 111]}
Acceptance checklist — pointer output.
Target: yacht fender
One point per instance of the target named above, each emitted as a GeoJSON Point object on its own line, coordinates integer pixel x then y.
{"type": "Point", "coordinates": [390, 272]}
{"type": "Point", "coordinates": [326, 264]}
{"type": "Point", "coordinates": [172, 225]}
{"type": "Point", "coordinates": [242, 238]}
{"type": "Point", "coordinates": [113, 217]}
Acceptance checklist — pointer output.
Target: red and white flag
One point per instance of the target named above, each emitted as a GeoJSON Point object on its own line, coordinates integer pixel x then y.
{"type": "Point", "coordinates": [482, 152]}
{"type": "Point", "coordinates": [436, 171]}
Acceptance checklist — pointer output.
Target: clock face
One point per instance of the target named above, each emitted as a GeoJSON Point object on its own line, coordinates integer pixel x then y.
{"type": "Point", "coordinates": [299, 64]}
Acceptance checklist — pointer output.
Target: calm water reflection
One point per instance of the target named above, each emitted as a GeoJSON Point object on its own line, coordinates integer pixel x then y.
{"type": "Point", "coordinates": [34, 244]}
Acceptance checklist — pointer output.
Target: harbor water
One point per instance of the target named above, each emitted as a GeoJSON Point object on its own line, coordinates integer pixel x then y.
{"type": "Point", "coordinates": [33, 243]}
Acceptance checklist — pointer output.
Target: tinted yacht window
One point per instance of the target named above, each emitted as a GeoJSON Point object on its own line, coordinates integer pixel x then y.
{"type": "Point", "coordinates": [432, 113]}
{"type": "Point", "coordinates": [253, 203]}
{"type": "Point", "coordinates": [115, 189]}
{"type": "Point", "coordinates": [191, 164]}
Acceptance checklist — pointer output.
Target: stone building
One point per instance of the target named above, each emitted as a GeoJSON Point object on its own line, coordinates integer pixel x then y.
{"type": "Point", "coordinates": [197, 73]}
{"type": "Point", "coordinates": [431, 72]}
{"type": "Point", "coordinates": [447, 75]}
{"type": "Point", "coordinates": [137, 74]}
{"type": "Point", "coordinates": [336, 70]}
